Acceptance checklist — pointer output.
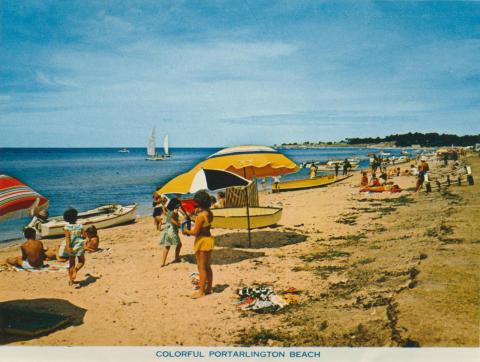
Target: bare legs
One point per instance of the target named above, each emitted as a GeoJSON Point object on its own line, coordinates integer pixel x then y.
{"type": "Point", "coordinates": [15, 261]}
{"type": "Point", "coordinates": [158, 221]}
{"type": "Point", "coordinates": [73, 269]}
{"type": "Point", "coordinates": [177, 253]}
{"type": "Point", "coordinates": [166, 249]}
{"type": "Point", "coordinates": [204, 259]}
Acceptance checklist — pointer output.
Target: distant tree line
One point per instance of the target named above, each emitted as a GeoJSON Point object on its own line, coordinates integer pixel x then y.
{"type": "Point", "coordinates": [422, 139]}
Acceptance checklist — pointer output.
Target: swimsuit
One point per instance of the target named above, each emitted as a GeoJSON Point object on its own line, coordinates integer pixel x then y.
{"type": "Point", "coordinates": [204, 243]}
{"type": "Point", "coordinates": [76, 241]}
{"type": "Point", "coordinates": [26, 265]}
{"type": "Point", "coordinates": [169, 236]}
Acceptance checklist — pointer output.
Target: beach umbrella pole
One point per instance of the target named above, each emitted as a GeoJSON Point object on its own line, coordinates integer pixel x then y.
{"type": "Point", "coordinates": [248, 212]}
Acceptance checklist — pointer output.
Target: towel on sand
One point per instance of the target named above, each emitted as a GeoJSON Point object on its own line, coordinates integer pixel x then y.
{"type": "Point", "coordinates": [51, 267]}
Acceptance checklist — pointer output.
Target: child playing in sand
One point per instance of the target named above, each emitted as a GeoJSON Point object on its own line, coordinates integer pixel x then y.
{"type": "Point", "coordinates": [92, 240]}
{"type": "Point", "coordinates": [73, 245]}
{"type": "Point", "coordinates": [204, 243]}
{"type": "Point", "coordinates": [169, 236]}
{"type": "Point", "coordinates": [33, 253]}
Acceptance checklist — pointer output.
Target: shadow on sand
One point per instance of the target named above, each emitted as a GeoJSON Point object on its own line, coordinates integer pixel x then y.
{"type": "Point", "coordinates": [226, 256]}
{"type": "Point", "coordinates": [90, 279]}
{"type": "Point", "coordinates": [260, 239]}
{"type": "Point", "coordinates": [25, 319]}
{"type": "Point", "coordinates": [233, 247]}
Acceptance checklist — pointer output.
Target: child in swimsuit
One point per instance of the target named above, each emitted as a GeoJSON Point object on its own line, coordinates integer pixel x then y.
{"type": "Point", "coordinates": [92, 241]}
{"type": "Point", "coordinates": [169, 236]}
{"type": "Point", "coordinates": [73, 245]}
{"type": "Point", "coordinates": [204, 242]}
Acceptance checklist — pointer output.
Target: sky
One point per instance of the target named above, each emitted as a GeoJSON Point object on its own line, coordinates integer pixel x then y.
{"type": "Point", "coordinates": [222, 73]}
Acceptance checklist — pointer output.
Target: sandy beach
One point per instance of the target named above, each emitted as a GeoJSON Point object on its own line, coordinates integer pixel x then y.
{"type": "Point", "coordinates": [373, 270]}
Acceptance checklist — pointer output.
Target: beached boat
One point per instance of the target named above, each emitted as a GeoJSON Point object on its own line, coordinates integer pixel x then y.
{"type": "Point", "coordinates": [102, 217]}
{"type": "Point", "coordinates": [236, 217]}
{"type": "Point", "coordinates": [152, 148]}
{"type": "Point", "coordinates": [330, 165]}
{"type": "Point", "coordinates": [319, 181]}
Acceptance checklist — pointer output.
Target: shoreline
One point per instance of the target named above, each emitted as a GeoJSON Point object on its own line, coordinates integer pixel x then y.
{"type": "Point", "coordinates": [368, 268]}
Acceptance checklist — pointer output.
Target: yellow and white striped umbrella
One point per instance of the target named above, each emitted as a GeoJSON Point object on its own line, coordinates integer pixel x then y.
{"type": "Point", "coordinates": [250, 161]}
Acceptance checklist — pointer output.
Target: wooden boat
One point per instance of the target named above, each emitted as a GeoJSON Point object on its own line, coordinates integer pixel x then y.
{"type": "Point", "coordinates": [236, 217]}
{"type": "Point", "coordinates": [101, 217]}
{"type": "Point", "coordinates": [319, 181]}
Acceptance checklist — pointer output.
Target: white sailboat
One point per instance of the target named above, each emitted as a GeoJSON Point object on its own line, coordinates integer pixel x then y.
{"type": "Point", "coordinates": [166, 153]}
{"type": "Point", "coordinates": [152, 148]}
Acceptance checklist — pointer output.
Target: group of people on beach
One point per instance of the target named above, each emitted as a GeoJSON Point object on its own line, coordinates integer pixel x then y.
{"type": "Point", "coordinates": [78, 240]}
{"type": "Point", "coordinates": [381, 183]}
{"type": "Point", "coordinates": [177, 219]}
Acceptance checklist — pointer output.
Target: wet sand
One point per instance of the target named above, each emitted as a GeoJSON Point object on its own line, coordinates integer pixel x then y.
{"type": "Point", "coordinates": [373, 270]}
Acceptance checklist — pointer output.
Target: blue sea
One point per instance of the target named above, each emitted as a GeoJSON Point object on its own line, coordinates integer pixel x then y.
{"type": "Point", "coordinates": [85, 178]}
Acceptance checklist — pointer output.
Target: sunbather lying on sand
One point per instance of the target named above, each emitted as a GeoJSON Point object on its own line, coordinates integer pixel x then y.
{"type": "Point", "coordinates": [384, 188]}
{"type": "Point", "coordinates": [33, 253]}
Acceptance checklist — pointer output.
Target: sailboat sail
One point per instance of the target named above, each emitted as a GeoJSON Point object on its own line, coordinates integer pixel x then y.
{"type": "Point", "coordinates": [151, 149]}
{"type": "Point", "coordinates": [165, 145]}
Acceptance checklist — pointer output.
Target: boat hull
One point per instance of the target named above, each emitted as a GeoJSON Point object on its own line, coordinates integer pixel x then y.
{"type": "Point", "coordinates": [320, 181]}
{"type": "Point", "coordinates": [100, 217]}
{"type": "Point", "coordinates": [236, 218]}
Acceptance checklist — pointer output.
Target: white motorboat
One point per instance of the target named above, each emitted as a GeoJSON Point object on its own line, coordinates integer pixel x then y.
{"type": "Point", "coordinates": [124, 150]}
{"type": "Point", "coordinates": [102, 217]}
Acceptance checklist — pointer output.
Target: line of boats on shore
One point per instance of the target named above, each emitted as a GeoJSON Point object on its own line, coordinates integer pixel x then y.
{"type": "Point", "coordinates": [384, 158]}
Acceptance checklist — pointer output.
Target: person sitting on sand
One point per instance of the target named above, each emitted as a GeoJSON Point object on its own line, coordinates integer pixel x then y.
{"type": "Point", "coordinates": [364, 180]}
{"type": "Point", "coordinates": [72, 246]}
{"type": "Point", "coordinates": [33, 253]}
{"type": "Point", "coordinates": [204, 243]}
{"type": "Point", "coordinates": [220, 204]}
{"type": "Point", "coordinates": [92, 240]}
{"type": "Point", "coordinates": [374, 181]}
{"type": "Point", "coordinates": [169, 236]}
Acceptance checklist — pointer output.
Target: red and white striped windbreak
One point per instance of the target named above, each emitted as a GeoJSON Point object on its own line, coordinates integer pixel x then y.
{"type": "Point", "coordinates": [17, 199]}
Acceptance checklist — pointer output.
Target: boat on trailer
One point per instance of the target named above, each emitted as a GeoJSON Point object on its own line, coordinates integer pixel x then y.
{"type": "Point", "coordinates": [304, 184]}
{"type": "Point", "coordinates": [102, 217]}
